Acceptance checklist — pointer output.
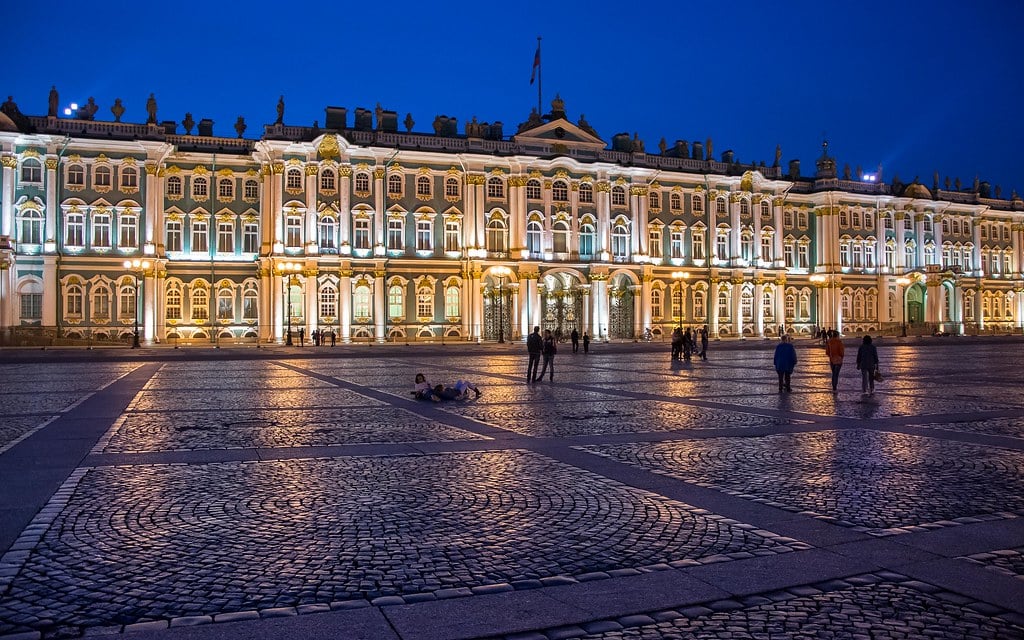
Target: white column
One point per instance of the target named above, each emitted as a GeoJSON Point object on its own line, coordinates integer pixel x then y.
{"type": "Point", "coordinates": [638, 326]}
{"type": "Point", "coordinates": [378, 217]}
{"type": "Point", "coordinates": [759, 307]}
{"type": "Point", "coordinates": [645, 301]}
{"type": "Point", "coordinates": [311, 314]}
{"type": "Point", "coordinates": [153, 215]}
{"type": "Point", "coordinates": [50, 233]}
{"type": "Point", "coordinates": [469, 220]}
{"type": "Point", "coordinates": [603, 223]}
{"type": "Point", "coordinates": [50, 289]}
{"type": "Point", "coordinates": [779, 261]}
{"type": "Point", "coordinates": [736, 302]}
{"type": "Point", "coordinates": [345, 303]}
{"type": "Point", "coordinates": [514, 196]}
{"type": "Point", "coordinates": [345, 214]}
{"type": "Point", "coordinates": [526, 285]}
{"type": "Point", "coordinates": [713, 306]}
{"type": "Point", "coordinates": [585, 291]}
{"type": "Point", "coordinates": [938, 239]}
{"type": "Point", "coordinates": [7, 220]}
{"type": "Point", "coordinates": [780, 303]}
{"type": "Point", "coordinates": [478, 215]}
{"type": "Point", "coordinates": [901, 256]}
{"type": "Point", "coordinates": [976, 257]}
{"type": "Point", "coordinates": [734, 231]}
{"type": "Point", "coordinates": [280, 307]}
{"type": "Point", "coordinates": [919, 236]}
{"type": "Point", "coordinates": [312, 242]}
{"type": "Point", "coordinates": [379, 303]}
{"type": "Point", "coordinates": [879, 232]}
{"type": "Point", "coordinates": [477, 300]}
{"type": "Point", "coordinates": [149, 297]}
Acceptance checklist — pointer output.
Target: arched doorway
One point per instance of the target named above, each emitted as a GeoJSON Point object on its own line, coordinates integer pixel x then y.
{"type": "Point", "coordinates": [915, 304]}
{"type": "Point", "coordinates": [561, 304]}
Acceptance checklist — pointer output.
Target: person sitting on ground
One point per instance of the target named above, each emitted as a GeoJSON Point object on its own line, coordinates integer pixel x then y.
{"type": "Point", "coordinates": [460, 391]}
{"type": "Point", "coordinates": [424, 390]}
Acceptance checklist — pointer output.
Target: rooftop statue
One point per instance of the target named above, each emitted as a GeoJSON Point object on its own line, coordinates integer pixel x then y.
{"type": "Point", "coordinates": [280, 111]}
{"type": "Point", "coordinates": [117, 109]}
{"type": "Point", "coordinates": [54, 104]}
{"type": "Point", "coordinates": [151, 109]}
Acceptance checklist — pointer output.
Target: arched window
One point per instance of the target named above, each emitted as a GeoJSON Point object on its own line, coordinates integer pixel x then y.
{"type": "Point", "coordinates": [497, 236]}
{"type": "Point", "coordinates": [697, 203]}
{"type": "Point", "coordinates": [126, 301]}
{"type": "Point", "coordinates": [31, 171]}
{"type": "Point", "coordinates": [293, 179]}
{"type": "Point", "coordinates": [560, 237]}
{"type": "Point", "coordinates": [424, 303]}
{"type": "Point", "coordinates": [250, 303]}
{"type": "Point", "coordinates": [723, 304]}
{"type": "Point", "coordinates": [700, 309]}
{"type": "Point", "coordinates": [656, 303]}
{"type": "Point", "coordinates": [747, 305]}
{"type": "Point", "coordinates": [586, 193]}
{"type": "Point", "coordinates": [226, 189]}
{"type": "Point", "coordinates": [225, 304]}
{"type": "Point", "coordinates": [587, 235]}
{"type": "Point", "coordinates": [102, 177]}
{"type": "Point", "coordinates": [766, 210]}
{"type": "Point", "coordinates": [396, 303]}
{"type": "Point", "coordinates": [362, 183]}
{"type": "Point", "coordinates": [744, 207]}
{"type": "Point", "coordinates": [101, 303]}
{"type": "Point", "coordinates": [73, 302]}
{"type": "Point", "coordinates": [395, 184]}
{"type": "Point", "coordinates": [620, 241]}
{"type": "Point", "coordinates": [654, 200]}
{"type": "Point", "coordinates": [361, 302]}
{"type": "Point", "coordinates": [618, 196]}
{"type": "Point", "coordinates": [768, 306]}
{"type": "Point", "coordinates": [675, 202]}
{"type": "Point", "coordinates": [31, 227]}
{"type": "Point", "coordinates": [495, 187]}
{"type": "Point", "coordinates": [328, 301]}
{"type": "Point", "coordinates": [560, 191]}
{"type": "Point", "coordinates": [76, 177]}
{"type": "Point", "coordinates": [200, 188]}
{"type": "Point", "coordinates": [423, 186]}
{"type": "Point", "coordinates": [534, 234]}
{"type": "Point", "coordinates": [533, 189]}
{"type": "Point", "coordinates": [328, 180]}
{"type": "Point", "coordinates": [451, 187]}
{"type": "Point", "coordinates": [720, 206]}
{"type": "Point", "coordinates": [200, 304]}
{"type": "Point", "coordinates": [129, 178]}
{"type": "Point", "coordinates": [452, 302]}
{"type": "Point", "coordinates": [173, 301]}
{"type": "Point", "coordinates": [328, 226]}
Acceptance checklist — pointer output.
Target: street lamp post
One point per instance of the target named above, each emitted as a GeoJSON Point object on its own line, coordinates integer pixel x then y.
{"type": "Point", "coordinates": [288, 270]}
{"type": "Point", "coordinates": [679, 277]}
{"type": "Point", "coordinates": [137, 267]}
{"type": "Point", "coordinates": [501, 272]}
{"type": "Point", "coordinates": [903, 281]}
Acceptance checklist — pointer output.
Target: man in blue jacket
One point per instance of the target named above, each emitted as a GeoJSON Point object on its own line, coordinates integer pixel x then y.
{"type": "Point", "coordinates": [785, 362]}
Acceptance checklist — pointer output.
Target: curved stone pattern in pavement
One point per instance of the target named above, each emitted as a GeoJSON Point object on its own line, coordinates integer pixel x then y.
{"type": "Point", "coordinates": [883, 611]}
{"type": "Point", "coordinates": [1006, 561]}
{"type": "Point", "coordinates": [168, 541]}
{"type": "Point", "coordinates": [148, 431]}
{"type": "Point", "coordinates": [865, 479]}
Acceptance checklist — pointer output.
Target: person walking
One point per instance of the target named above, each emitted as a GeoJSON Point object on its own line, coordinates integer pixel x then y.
{"type": "Point", "coordinates": [785, 362]}
{"type": "Point", "coordinates": [677, 342]}
{"type": "Point", "coordinates": [575, 337]}
{"type": "Point", "coordinates": [687, 344]}
{"type": "Point", "coordinates": [867, 362]}
{"type": "Point", "coordinates": [586, 342]}
{"type": "Point", "coordinates": [548, 351]}
{"type": "Point", "coordinates": [704, 343]}
{"type": "Point", "coordinates": [835, 351]}
{"type": "Point", "coordinates": [534, 346]}
{"type": "Point", "coordinates": [302, 337]}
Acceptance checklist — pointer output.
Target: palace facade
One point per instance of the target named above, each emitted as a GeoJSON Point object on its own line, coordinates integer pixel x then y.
{"type": "Point", "coordinates": [381, 235]}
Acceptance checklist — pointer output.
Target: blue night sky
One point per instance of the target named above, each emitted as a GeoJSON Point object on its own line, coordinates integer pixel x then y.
{"type": "Point", "coordinates": [915, 87]}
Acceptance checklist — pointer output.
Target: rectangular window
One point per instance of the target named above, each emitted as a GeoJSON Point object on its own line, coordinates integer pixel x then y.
{"type": "Point", "coordinates": [31, 306]}
{"type": "Point", "coordinates": [699, 251]}
{"type": "Point", "coordinates": [75, 236]}
{"type": "Point", "coordinates": [361, 234]}
{"type": "Point", "coordinates": [199, 239]}
{"type": "Point", "coordinates": [250, 237]}
{"type": "Point", "coordinates": [225, 237]}
{"type": "Point", "coordinates": [789, 254]}
{"type": "Point", "coordinates": [293, 232]}
{"type": "Point", "coordinates": [126, 302]}
{"type": "Point", "coordinates": [766, 249]}
{"type": "Point", "coordinates": [423, 239]}
{"type": "Point", "coordinates": [676, 241]}
{"type": "Point", "coordinates": [225, 306]}
{"type": "Point", "coordinates": [804, 255]}
{"type": "Point", "coordinates": [655, 243]}
{"type": "Point", "coordinates": [396, 234]}
{"type": "Point", "coordinates": [451, 302]}
{"type": "Point", "coordinates": [101, 231]}
{"type": "Point", "coordinates": [451, 235]}
{"type": "Point", "coordinates": [129, 232]}
{"type": "Point", "coordinates": [173, 236]}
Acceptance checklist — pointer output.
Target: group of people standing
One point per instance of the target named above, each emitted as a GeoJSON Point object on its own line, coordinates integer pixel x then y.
{"type": "Point", "coordinates": [320, 337]}
{"type": "Point", "coordinates": [867, 361]}
{"type": "Point", "coordinates": [689, 343]}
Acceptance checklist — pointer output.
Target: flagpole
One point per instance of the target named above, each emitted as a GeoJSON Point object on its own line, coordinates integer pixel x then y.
{"type": "Point", "coordinates": [540, 109]}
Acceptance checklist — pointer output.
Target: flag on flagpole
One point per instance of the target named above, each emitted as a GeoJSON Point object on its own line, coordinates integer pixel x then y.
{"type": "Point", "coordinates": [536, 63]}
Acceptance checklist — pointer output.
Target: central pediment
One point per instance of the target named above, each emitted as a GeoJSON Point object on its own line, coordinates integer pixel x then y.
{"type": "Point", "coordinates": [562, 132]}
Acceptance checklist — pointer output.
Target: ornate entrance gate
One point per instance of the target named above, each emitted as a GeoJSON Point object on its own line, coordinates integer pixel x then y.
{"type": "Point", "coordinates": [492, 321]}
{"type": "Point", "coordinates": [620, 314]}
{"type": "Point", "coordinates": [562, 312]}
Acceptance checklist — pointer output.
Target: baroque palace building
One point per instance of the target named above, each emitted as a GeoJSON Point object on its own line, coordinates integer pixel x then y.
{"type": "Point", "coordinates": [380, 235]}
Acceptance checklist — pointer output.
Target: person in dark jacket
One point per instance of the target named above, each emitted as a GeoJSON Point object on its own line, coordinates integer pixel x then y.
{"type": "Point", "coordinates": [785, 362]}
{"type": "Point", "coordinates": [867, 362]}
{"type": "Point", "coordinates": [586, 342]}
{"type": "Point", "coordinates": [549, 350]}
{"type": "Point", "coordinates": [575, 337]}
{"type": "Point", "coordinates": [534, 346]}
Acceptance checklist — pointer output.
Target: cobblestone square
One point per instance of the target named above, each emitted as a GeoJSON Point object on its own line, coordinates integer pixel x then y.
{"type": "Point", "coordinates": [632, 497]}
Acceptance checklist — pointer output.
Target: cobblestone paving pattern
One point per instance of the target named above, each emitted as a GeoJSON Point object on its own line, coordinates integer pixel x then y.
{"type": "Point", "coordinates": [204, 400]}
{"type": "Point", "coordinates": [621, 416]}
{"type": "Point", "coordinates": [852, 404]}
{"type": "Point", "coordinates": [1006, 561]}
{"type": "Point", "coordinates": [234, 382]}
{"type": "Point", "coordinates": [137, 432]}
{"type": "Point", "coordinates": [882, 611]}
{"type": "Point", "coordinates": [177, 540]}
{"type": "Point", "coordinates": [871, 480]}
{"type": "Point", "coordinates": [15, 404]}
{"type": "Point", "coordinates": [14, 427]}
{"type": "Point", "coordinates": [1009, 427]}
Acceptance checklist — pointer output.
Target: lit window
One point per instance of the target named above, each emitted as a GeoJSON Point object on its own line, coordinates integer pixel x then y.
{"type": "Point", "coordinates": [395, 185]}
{"type": "Point", "coordinates": [252, 190]}
{"type": "Point", "coordinates": [361, 302]}
{"type": "Point", "coordinates": [452, 302]}
{"type": "Point", "coordinates": [586, 193]}
{"type": "Point", "coordinates": [173, 302]}
{"type": "Point", "coordinates": [226, 189]}
{"type": "Point", "coordinates": [424, 303]}
{"type": "Point", "coordinates": [423, 186]}
{"type": "Point", "coordinates": [560, 191]}
{"type": "Point", "coordinates": [225, 237]}
{"type": "Point", "coordinates": [250, 237]}
{"type": "Point", "coordinates": [200, 188]}
{"type": "Point", "coordinates": [396, 234]}
{"type": "Point", "coordinates": [101, 230]}
{"type": "Point", "coordinates": [200, 304]}
{"type": "Point", "coordinates": [328, 301]}
{"type": "Point", "coordinates": [200, 242]}
{"type": "Point", "coordinates": [396, 304]}
{"type": "Point", "coordinates": [31, 171]}
{"type": "Point", "coordinates": [533, 189]}
{"type": "Point", "coordinates": [174, 186]}
{"type": "Point", "coordinates": [495, 187]}
{"type": "Point", "coordinates": [293, 179]}
{"type": "Point", "coordinates": [618, 197]}
{"type": "Point", "coordinates": [172, 239]}
{"type": "Point", "coordinates": [128, 236]}
{"type": "Point", "coordinates": [423, 236]}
